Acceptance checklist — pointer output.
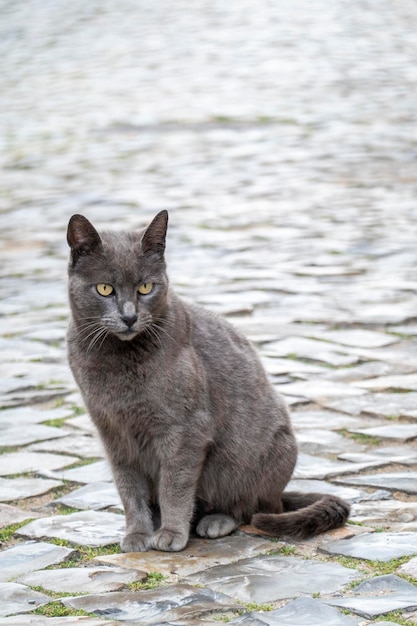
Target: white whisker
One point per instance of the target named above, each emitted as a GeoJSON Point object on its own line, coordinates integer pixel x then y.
{"type": "Point", "coordinates": [102, 331]}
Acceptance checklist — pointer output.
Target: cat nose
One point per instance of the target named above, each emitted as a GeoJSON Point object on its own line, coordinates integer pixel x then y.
{"type": "Point", "coordinates": [128, 314]}
{"type": "Point", "coordinates": [130, 319]}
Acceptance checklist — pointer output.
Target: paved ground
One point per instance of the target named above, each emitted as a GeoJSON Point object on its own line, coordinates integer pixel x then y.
{"type": "Point", "coordinates": [282, 138]}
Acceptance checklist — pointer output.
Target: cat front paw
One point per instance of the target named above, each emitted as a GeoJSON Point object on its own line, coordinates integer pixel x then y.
{"type": "Point", "coordinates": [135, 542]}
{"type": "Point", "coordinates": [168, 540]}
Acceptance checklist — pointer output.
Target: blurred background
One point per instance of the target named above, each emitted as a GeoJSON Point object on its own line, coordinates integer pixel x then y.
{"type": "Point", "coordinates": [280, 135]}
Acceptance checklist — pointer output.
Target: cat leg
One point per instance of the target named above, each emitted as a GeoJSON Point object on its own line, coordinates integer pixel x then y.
{"type": "Point", "coordinates": [134, 493]}
{"type": "Point", "coordinates": [216, 525]}
{"type": "Point", "coordinates": [176, 492]}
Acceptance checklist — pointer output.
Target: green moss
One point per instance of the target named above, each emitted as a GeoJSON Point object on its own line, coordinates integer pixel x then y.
{"type": "Point", "coordinates": [74, 561]}
{"type": "Point", "coordinates": [6, 449]}
{"type": "Point", "coordinates": [347, 561]}
{"type": "Point", "coordinates": [223, 119]}
{"type": "Point", "coordinates": [152, 580]}
{"type": "Point", "coordinates": [296, 357]}
{"type": "Point", "coordinates": [62, 490]}
{"type": "Point", "coordinates": [381, 568]}
{"type": "Point", "coordinates": [370, 569]}
{"type": "Point", "coordinates": [84, 554]}
{"type": "Point", "coordinates": [282, 550]}
{"type": "Point", "coordinates": [82, 462]}
{"type": "Point", "coordinates": [63, 509]}
{"type": "Point", "coordinates": [90, 553]}
{"type": "Point", "coordinates": [396, 617]}
{"type": "Point", "coordinates": [409, 579]}
{"type": "Point", "coordinates": [57, 609]}
{"type": "Point", "coordinates": [8, 531]}
{"type": "Point", "coordinates": [254, 606]}
{"type": "Point", "coordinates": [360, 437]}
{"type": "Point", "coordinates": [78, 410]}
{"type": "Point", "coordinates": [57, 594]}
{"type": "Point", "coordinates": [56, 423]}
{"type": "Point", "coordinates": [57, 541]}
{"type": "Point", "coordinates": [288, 550]}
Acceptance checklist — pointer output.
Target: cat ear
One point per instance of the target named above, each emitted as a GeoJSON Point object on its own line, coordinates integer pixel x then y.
{"type": "Point", "coordinates": [153, 239]}
{"type": "Point", "coordinates": [82, 237]}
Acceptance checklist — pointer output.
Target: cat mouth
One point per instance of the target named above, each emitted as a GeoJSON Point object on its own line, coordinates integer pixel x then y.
{"type": "Point", "coordinates": [127, 335]}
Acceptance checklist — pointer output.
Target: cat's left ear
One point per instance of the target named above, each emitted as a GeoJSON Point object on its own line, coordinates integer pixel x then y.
{"type": "Point", "coordinates": [82, 237]}
{"type": "Point", "coordinates": [153, 239]}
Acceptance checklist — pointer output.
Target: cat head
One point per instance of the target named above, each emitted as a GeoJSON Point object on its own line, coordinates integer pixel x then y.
{"type": "Point", "coordinates": [117, 281]}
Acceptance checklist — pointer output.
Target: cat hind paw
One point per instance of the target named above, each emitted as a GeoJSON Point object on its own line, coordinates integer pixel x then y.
{"type": "Point", "coordinates": [216, 525]}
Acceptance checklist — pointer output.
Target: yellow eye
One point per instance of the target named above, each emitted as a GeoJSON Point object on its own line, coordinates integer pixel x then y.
{"type": "Point", "coordinates": [145, 288]}
{"type": "Point", "coordinates": [104, 290]}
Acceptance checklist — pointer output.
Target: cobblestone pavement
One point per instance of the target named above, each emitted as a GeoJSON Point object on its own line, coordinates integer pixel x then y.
{"type": "Point", "coordinates": [281, 136]}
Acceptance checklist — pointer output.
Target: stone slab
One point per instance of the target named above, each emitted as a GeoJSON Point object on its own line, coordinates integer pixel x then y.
{"type": "Point", "coordinates": [17, 599]}
{"type": "Point", "coordinates": [379, 596]}
{"type": "Point", "coordinates": [85, 446]}
{"type": "Point", "coordinates": [18, 436]}
{"type": "Point", "coordinates": [277, 367]}
{"type": "Point", "coordinates": [29, 415]}
{"type": "Point", "coordinates": [403, 432]}
{"type": "Point", "coordinates": [368, 369]}
{"type": "Point", "coordinates": [320, 390]}
{"type": "Point", "coordinates": [299, 612]}
{"type": "Point", "coordinates": [375, 546]}
{"type": "Point", "coordinates": [30, 556]}
{"type": "Point", "coordinates": [394, 481]}
{"type": "Point", "coordinates": [11, 384]}
{"type": "Point", "coordinates": [355, 337]}
{"type": "Point", "coordinates": [92, 473]}
{"type": "Point", "coordinates": [273, 578]}
{"type": "Point", "coordinates": [321, 441]}
{"type": "Point", "coordinates": [309, 466]}
{"type": "Point", "coordinates": [403, 382]}
{"type": "Point", "coordinates": [410, 568]}
{"type": "Point", "coordinates": [82, 579]}
{"type": "Point", "coordinates": [384, 511]}
{"type": "Point", "coordinates": [33, 396]}
{"type": "Point", "coordinates": [21, 488]}
{"type": "Point", "coordinates": [22, 462]}
{"type": "Point", "coordinates": [94, 496]}
{"type": "Point", "coordinates": [84, 423]}
{"type": "Point", "coordinates": [88, 528]}
{"type": "Point", "coordinates": [378, 404]}
{"type": "Point", "coordinates": [13, 515]}
{"type": "Point", "coordinates": [329, 420]}
{"type": "Point", "coordinates": [321, 486]}
{"type": "Point", "coordinates": [162, 605]}
{"type": "Point", "coordinates": [200, 554]}
{"type": "Point", "coordinates": [305, 348]}
{"type": "Point", "coordinates": [404, 454]}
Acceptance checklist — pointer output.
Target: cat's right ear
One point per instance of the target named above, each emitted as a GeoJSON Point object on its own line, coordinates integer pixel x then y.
{"type": "Point", "coordinates": [82, 237]}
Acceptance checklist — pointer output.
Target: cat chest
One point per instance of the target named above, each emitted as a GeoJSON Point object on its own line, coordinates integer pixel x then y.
{"type": "Point", "coordinates": [130, 433]}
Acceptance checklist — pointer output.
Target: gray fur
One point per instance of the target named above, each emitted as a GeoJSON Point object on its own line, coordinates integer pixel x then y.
{"type": "Point", "coordinates": [194, 431]}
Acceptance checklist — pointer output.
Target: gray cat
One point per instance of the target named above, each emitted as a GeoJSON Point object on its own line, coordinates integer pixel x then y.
{"type": "Point", "coordinates": [195, 433]}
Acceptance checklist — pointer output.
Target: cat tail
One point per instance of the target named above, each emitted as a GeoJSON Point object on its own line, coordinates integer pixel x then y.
{"type": "Point", "coordinates": [305, 515]}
